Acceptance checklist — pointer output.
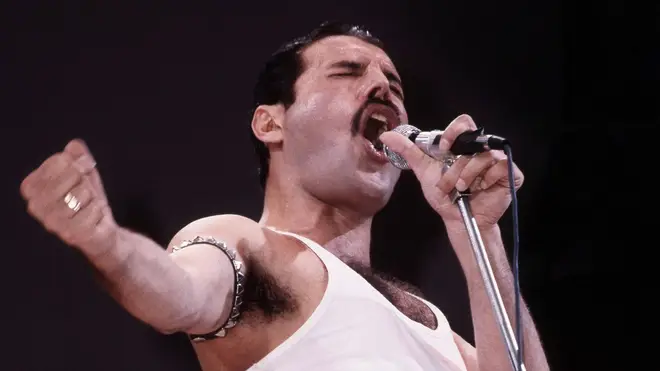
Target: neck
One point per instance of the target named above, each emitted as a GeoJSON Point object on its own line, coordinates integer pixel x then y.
{"type": "Point", "coordinates": [343, 232]}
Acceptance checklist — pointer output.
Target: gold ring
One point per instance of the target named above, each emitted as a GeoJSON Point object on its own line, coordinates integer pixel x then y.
{"type": "Point", "coordinates": [72, 202]}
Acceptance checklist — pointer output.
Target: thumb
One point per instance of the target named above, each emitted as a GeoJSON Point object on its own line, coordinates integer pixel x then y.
{"type": "Point", "coordinates": [415, 157]}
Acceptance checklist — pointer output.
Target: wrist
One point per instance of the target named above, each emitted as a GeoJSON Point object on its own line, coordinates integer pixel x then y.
{"type": "Point", "coordinates": [490, 236]}
{"type": "Point", "coordinates": [111, 252]}
{"type": "Point", "coordinates": [458, 229]}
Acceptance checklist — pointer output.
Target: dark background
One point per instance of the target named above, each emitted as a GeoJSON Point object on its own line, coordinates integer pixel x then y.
{"type": "Point", "coordinates": [161, 92]}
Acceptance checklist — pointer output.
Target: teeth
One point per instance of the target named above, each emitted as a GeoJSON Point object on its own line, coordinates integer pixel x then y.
{"type": "Point", "coordinates": [382, 119]}
{"type": "Point", "coordinates": [379, 117]}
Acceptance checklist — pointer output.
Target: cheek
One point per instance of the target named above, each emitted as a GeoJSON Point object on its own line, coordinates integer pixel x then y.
{"type": "Point", "coordinates": [321, 117]}
{"type": "Point", "coordinates": [328, 107]}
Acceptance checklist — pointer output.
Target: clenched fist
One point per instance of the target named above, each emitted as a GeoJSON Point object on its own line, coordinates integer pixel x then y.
{"type": "Point", "coordinates": [66, 196]}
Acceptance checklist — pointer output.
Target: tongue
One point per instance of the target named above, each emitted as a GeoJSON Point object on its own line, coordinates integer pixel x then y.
{"type": "Point", "coordinates": [371, 130]}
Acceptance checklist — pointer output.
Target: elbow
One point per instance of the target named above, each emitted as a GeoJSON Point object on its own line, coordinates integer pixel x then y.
{"type": "Point", "coordinates": [209, 318]}
{"type": "Point", "coordinates": [187, 309]}
{"type": "Point", "coordinates": [183, 321]}
{"type": "Point", "coordinates": [205, 308]}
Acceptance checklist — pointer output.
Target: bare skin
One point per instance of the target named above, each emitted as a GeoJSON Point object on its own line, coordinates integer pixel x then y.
{"type": "Point", "coordinates": [324, 184]}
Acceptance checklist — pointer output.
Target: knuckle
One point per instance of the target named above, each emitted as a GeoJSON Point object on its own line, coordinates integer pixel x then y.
{"type": "Point", "coordinates": [74, 175]}
{"type": "Point", "coordinates": [25, 186]}
{"type": "Point", "coordinates": [53, 160]}
{"type": "Point", "coordinates": [33, 209]}
{"type": "Point", "coordinates": [465, 117]}
{"type": "Point", "coordinates": [62, 160]}
{"type": "Point", "coordinates": [53, 165]}
{"type": "Point", "coordinates": [445, 185]}
{"type": "Point", "coordinates": [88, 196]}
{"type": "Point", "coordinates": [465, 121]}
{"type": "Point", "coordinates": [448, 180]}
{"type": "Point", "coordinates": [498, 155]}
{"type": "Point", "coordinates": [51, 225]}
{"type": "Point", "coordinates": [460, 124]}
{"type": "Point", "coordinates": [68, 236]}
{"type": "Point", "coordinates": [83, 193]}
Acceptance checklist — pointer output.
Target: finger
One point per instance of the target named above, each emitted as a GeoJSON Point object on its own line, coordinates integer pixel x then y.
{"type": "Point", "coordinates": [28, 184]}
{"type": "Point", "coordinates": [458, 126]}
{"type": "Point", "coordinates": [73, 201]}
{"type": "Point", "coordinates": [95, 180]}
{"type": "Point", "coordinates": [499, 173]}
{"type": "Point", "coordinates": [55, 216]}
{"type": "Point", "coordinates": [418, 161]}
{"type": "Point", "coordinates": [42, 177]}
{"type": "Point", "coordinates": [452, 174]}
{"type": "Point", "coordinates": [85, 162]}
{"type": "Point", "coordinates": [53, 166]}
{"type": "Point", "coordinates": [83, 224]}
{"type": "Point", "coordinates": [77, 148]}
{"type": "Point", "coordinates": [55, 190]}
{"type": "Point", "coordinates": [34, 182]}
{"type": "Point", "coordinates": [477, 166]}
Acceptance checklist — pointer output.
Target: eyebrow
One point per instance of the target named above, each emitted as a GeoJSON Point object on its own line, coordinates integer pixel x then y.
{"type": "Point", "coordinates": [353, 65]}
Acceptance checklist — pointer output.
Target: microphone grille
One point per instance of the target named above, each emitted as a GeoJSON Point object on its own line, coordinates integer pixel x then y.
{"type": "Point", "coordinates": [395, 158]}
{"type": "Point", "coordinates": [406, 130]}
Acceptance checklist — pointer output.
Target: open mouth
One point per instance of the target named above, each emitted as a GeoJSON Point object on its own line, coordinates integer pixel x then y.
{"type": "Point", "coordinates": [378, 119]}
{"type": "Point", "coordinates": [375, 125]}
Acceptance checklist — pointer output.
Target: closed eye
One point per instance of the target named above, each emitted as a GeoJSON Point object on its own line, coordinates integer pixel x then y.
{"type": "Point", "coordinates": [355, 69]}
{"type": "Point", "coordinates": [344, 74]}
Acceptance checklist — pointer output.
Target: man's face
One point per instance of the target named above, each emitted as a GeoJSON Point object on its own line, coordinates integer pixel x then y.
{"type": "Point", "coordinates": [347, 95]}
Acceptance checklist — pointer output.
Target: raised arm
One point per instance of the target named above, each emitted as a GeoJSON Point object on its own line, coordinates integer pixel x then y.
{"type": "Point", "coordinates": [189, 290]}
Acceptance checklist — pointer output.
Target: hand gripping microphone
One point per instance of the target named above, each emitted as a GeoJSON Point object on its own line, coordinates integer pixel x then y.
{"type": "Point", "coordinates": [467, 143]}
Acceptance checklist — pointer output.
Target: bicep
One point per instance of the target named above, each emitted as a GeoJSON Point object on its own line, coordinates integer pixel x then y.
{"type": "Point", "coordinates": [209, 268]}
{"type": "Point", "coordinates": [468, 352]}
{"type": "Point", "coordinates": [240, 235]}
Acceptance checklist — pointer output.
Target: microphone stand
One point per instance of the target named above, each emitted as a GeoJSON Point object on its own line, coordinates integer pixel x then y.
{"type": "Point", "coordinates": [428, 142]}
{"type": "Point", "coordinates": [461, 199]}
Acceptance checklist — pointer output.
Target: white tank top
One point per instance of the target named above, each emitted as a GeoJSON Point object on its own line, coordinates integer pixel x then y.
{"type": "Point", "coordinates": [355, 328]}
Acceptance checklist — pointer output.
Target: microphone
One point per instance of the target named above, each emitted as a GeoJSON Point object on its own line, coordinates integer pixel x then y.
{"type": "Point", "coordinates": [467, 143]}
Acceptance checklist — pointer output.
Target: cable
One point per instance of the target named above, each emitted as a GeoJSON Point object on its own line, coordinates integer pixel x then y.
{"type": "Point", "coordinates": [516, 252]}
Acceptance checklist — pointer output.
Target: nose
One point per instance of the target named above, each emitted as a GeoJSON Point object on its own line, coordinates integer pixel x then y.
{"type": "Point", "coordinates": [376, 86]}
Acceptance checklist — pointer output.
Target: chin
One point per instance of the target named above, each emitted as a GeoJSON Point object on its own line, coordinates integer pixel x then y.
{"type": "Point", "coordinates": [375, 192]}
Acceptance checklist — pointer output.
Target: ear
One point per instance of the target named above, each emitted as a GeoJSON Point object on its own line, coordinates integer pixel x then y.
{"type": "Point", "coordinates": [267, 123]}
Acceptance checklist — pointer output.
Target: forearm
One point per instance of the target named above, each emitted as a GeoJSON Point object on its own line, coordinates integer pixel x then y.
{"type": "Point", "coordinates": [144, 279]}
{"type": "Point", "coordinates": [491, 349]}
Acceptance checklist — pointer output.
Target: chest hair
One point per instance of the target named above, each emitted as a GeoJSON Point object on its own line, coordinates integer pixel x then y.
{"type": "Point", "coordinates": [396, 292]}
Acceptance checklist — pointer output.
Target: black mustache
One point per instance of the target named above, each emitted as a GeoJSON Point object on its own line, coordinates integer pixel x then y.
{"type": "Point", "coordinates": [355, 125]}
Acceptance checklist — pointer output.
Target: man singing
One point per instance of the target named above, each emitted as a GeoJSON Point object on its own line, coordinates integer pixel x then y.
{"type": "Point", "coordinates": [295, 290]}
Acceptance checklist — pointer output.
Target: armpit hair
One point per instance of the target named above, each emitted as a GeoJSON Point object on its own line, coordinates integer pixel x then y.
{"type": "Point", "coordinates": [263, 294]}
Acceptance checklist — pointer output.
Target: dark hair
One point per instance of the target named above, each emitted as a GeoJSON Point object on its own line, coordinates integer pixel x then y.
{"type": "Point", "coordinates": [276, 80]}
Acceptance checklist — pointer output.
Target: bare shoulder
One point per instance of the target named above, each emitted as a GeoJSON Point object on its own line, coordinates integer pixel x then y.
{"type": "Point", "coordinates": [238, 232]}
